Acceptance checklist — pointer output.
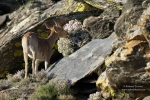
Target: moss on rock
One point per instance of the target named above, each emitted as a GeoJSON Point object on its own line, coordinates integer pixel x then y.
{"type": "Point", "coordinates": [18, 53]}
{"type": "Point", "coordinates": [18, 44]}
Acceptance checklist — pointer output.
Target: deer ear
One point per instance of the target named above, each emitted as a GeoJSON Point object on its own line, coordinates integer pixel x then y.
{"type": "Point", "coordinates": [55, 24]}
{"type": "Point", "coordinates": [54, 28]}
{"type": "Point", "coordinates": [46, 26]}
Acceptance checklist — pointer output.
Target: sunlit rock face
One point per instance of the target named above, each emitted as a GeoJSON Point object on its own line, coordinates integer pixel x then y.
{"type": "Point", "coordinates": [127, 69]}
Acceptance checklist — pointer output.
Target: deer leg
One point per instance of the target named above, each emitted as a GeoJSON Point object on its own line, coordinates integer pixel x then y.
{"type": "Point", "coordinates": [26, 63]}
{"type": "Point", "coordinates": [46, 63]}
{"type": "Point", "coordinates": [36, 66]}
{"type": "Point", "coordinates": [33, 62]}
{"type": "Point", "coordinates": [47, 60]}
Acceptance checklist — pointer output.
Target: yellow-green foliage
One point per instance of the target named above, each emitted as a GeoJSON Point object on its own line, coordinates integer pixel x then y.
{"type": "Point", "coordinates": [44, 92]}
{"type": "Point", "coordinates": [18, 44]}
{"type": "Point", "coordinates": [82, 7]}
{"type": "Point", "coordinates": [18, 53]}
{"type": "Point", "coordinates": [4, 73]}
{"type": "Point", "coordinates": [109, 60]}
{"type": "Point", "coordinates": [112, 91]}
{"type": "Point", "coordinates": [107, 87]}
{"type": "Point", "coordinates": [44, 35]}
{"type": "Point", "coordinates": [121, 94]}
{"type": "Point", "coordinates": [119, 7]}
{"type": "Point", "coordinates": [5, 54]}
{"type": "Point", "coordinates": [39, 30]}
{"type": "Point", "coordinates": [48, 15]}
{"type": "Point", "coordinates": [55, 46]}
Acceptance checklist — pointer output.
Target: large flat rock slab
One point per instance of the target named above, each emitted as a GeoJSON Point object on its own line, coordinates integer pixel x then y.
{"type": "Point", "coordinates": [84, 61]}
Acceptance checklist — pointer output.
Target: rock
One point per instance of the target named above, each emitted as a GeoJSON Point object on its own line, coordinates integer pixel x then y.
{"type": "Point", "coordinates": [140, 31]}
{"type": "Point", "coordinates": [132, 4]}
{"type": "Point", "coordinates": [98, 28]}
{"type": "Point", "coordinates": [139, 98]}
{"type": "Point", "coordinates": [147, 98]}
{"type": "Point", "coordinates": [103, 4]}
{"type": "Point", "coordinates": [83, 62]}
{"type": "Point", "coordinates": [130, 14]}
{"type": "Point", "coordinates": [145, 3]}
{"type": "Point", "coordinates": [105, 95]}
{"type": "Point", "coordinates": [105, 87]}
{"type": "Point", "coordinates": [95, 96]}
{"type": "Point", "coordinates": [143, 24]}
{"type": "Point", "coordinates": [120, 1]}
{"type": "Point", "coordinates": [135, 33]}
{"type": "Point", "coordinates": [3, 20]}
{"type": "Point", "coordinates": [102, 26]}
{"type": "Point", "coordinates": [126, 69]}
{"type": "Point", "coordinates": [72, 6]}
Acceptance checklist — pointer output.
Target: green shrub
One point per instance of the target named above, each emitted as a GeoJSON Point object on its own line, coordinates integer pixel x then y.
{"type": "Point", "coordinates": [42, 76]}
{"type": "Point", "coordinates": [24, 82]}
{"type": "Point", "coordinates": [53, 91]}
{"type": "Point", "coordinates": [44, 92]}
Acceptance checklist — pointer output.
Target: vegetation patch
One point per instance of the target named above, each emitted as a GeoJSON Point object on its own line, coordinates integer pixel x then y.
{"type": "Point", "coordinates": [34, 88]}
{"type": "Point", "coordinates": [44, 92]}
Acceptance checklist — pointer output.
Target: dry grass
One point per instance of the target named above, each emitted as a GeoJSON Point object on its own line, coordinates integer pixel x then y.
{"type": "Point", "coordinates": [15, 87]}
{"type": "Point", "coordinates": [66, 97]}
{"type": "Point", "coordinates": [16, 77]}
{"type": "Point", "coordinates": [5, 84]}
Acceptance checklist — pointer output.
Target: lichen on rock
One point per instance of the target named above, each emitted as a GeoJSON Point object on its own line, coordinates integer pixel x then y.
{"type": "Point", "coordinates": [72, 6]}
{"type": "Point", "coordinates": [126, 67]}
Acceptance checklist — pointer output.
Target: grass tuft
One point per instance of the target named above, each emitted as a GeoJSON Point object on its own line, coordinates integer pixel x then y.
{"type": "Point", "coordinates": [44, 92]}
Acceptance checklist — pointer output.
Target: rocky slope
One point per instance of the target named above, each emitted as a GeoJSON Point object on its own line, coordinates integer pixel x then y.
{"type": "Point", "coordinates": [31, 17]}
{"type": "Point", "coordinates": [122, 74]}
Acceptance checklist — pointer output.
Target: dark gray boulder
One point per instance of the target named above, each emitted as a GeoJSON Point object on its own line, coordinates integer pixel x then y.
{"type": "Point", "coordinates": [130, 14]}
{"type": "Point", "coordinates": [4, 8]}
{"type": "Point", "coordinates": [98, 28]}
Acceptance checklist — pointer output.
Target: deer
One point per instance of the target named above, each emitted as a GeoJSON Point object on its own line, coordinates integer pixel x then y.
{"type": "Point", "coordinates": [40, 49]}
